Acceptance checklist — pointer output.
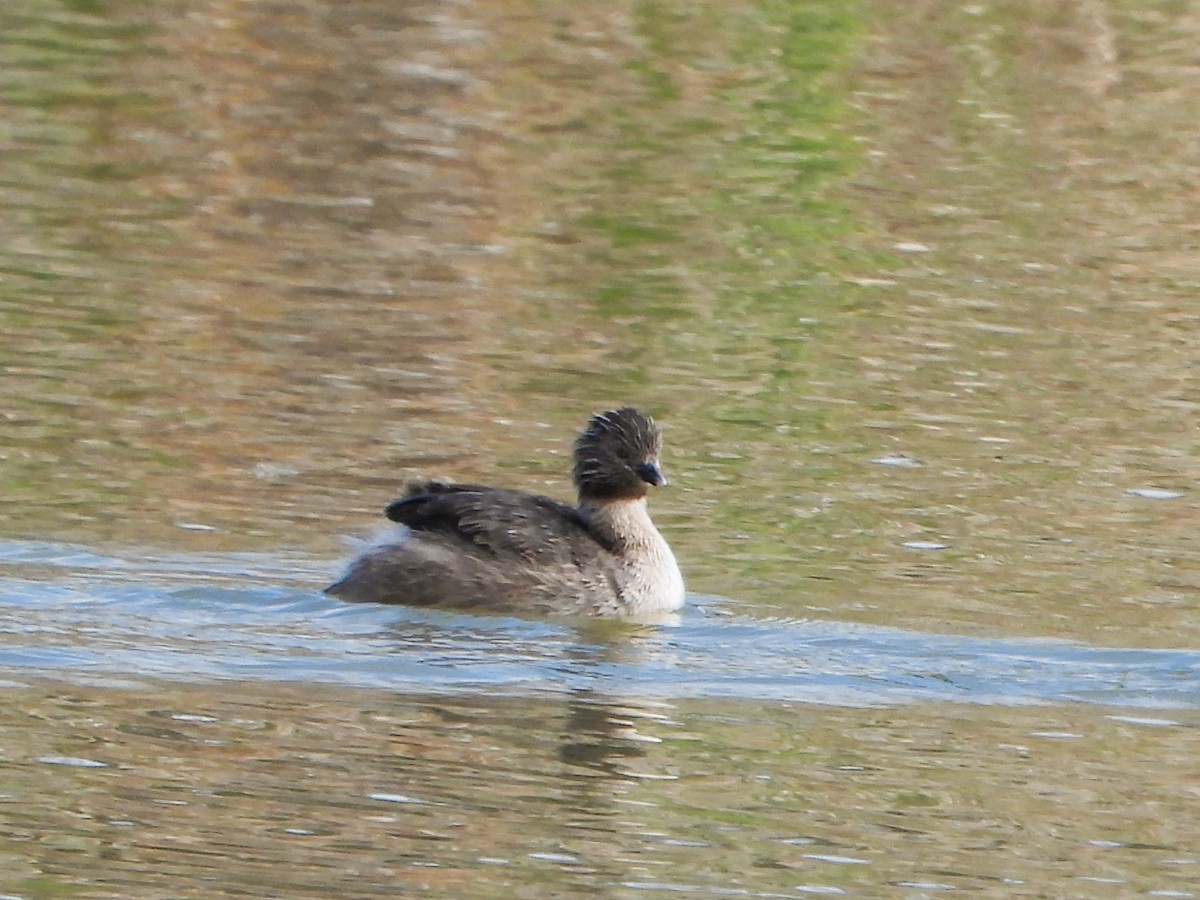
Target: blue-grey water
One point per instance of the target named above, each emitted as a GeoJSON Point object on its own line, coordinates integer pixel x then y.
{"type": "Point", "coordinates": [74, 613]}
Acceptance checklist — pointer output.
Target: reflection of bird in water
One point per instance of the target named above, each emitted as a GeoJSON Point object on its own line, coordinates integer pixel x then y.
{"type": "Point", "coordinates": [598, 733]}
{"type": "Point", "coordinates": [478, 547]}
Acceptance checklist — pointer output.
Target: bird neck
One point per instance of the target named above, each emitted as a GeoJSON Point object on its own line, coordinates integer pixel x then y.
{"type": "Point", "coordinates": [623, 523]}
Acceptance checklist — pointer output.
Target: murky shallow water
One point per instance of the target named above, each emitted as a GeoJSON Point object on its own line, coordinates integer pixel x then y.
{"type": "Point", "coordinates": [913, 289]}
{"type": "Point", "coordinates": [316, 790]}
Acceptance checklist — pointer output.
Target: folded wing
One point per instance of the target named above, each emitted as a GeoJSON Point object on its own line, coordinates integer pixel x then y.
{"type": "Point", "coordinates": [498, 522]}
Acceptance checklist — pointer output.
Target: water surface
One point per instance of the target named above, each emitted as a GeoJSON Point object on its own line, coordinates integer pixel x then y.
{"type": "Point", "coordinates": [262, 617]}
{"type": "Point", "coordinates": [213, 724]}
{"type": "Point", "coordinates": [912, 288]}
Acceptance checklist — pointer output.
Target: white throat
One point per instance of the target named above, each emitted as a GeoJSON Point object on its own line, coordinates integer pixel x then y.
{"type": "Point", "coordinates": [652, 579]}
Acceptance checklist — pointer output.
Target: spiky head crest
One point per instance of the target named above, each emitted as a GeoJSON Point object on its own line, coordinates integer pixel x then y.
{"type": "Point", "coordinates": [616, 457]}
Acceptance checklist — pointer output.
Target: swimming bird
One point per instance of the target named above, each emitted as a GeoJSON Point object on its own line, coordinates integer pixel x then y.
{"type": "Point", "coordinates": [470, 546]}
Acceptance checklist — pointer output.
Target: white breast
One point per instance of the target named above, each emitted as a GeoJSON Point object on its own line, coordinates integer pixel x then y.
{"type": "Point", "coordinates": [652, 581]}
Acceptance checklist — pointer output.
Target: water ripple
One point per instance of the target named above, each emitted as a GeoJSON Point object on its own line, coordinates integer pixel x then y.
{"type": "Point", "coordinates": [72, 612]}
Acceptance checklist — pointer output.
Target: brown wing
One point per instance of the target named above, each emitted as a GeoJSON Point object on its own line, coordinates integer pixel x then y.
{"type": "Point", "coordinates": [497, 521]}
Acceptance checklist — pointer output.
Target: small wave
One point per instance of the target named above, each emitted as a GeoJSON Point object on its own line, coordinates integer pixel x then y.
{"type": "Point", "coordinates": [68, 611]}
